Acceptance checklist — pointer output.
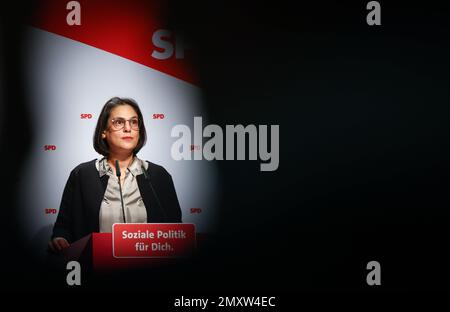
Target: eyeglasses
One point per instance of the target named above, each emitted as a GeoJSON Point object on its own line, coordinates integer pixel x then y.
{"type": "Point", "coordinates": [119, 123]}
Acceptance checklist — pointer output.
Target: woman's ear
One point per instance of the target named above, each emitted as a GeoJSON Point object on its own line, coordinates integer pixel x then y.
{"type": "Point", "coordinates": [103, 135]}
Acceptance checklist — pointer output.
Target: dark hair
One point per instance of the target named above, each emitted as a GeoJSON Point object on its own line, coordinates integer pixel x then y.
{"type": "Point", "coordinates": [101, 145]}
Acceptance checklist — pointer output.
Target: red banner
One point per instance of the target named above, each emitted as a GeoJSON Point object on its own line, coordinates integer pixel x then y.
{"type": "Point", "coordinates": [133, 29]}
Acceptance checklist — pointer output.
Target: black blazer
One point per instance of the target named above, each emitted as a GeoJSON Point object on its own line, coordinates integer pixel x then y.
{"type": "Point", "coordinates": [83, 194]}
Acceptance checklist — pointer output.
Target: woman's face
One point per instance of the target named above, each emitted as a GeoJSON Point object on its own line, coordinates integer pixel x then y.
{"type": "Point", "coordinates": [122, 133]}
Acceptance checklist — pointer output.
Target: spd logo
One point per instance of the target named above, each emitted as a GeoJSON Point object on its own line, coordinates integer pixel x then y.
{"type": "Point", "coordinates": [49, 147]}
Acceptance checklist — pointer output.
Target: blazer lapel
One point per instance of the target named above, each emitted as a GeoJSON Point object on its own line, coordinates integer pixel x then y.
{"type": "Point", "coordinates": [98, 197]}
{"type": "Point", "coordinates": [154, 213]}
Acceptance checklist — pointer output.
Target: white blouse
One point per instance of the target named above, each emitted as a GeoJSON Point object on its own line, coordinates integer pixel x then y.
{"type": "Point", "coordinates": [111, 207]}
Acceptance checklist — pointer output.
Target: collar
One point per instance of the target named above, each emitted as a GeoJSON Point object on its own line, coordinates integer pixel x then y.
{"type": "Point", "coordinates": [135, 168]}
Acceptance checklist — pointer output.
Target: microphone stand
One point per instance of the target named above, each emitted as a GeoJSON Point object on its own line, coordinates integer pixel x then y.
{"type": "Point", "coordinates": [154, 192]}
{"type": "Point", "coordinates": [120, 189]}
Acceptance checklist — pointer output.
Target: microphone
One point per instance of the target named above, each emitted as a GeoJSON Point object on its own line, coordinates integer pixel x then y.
{"type": "Point", "coordinates": [147, 177]}
{"type": "Point", "coordinates": [120, 189]}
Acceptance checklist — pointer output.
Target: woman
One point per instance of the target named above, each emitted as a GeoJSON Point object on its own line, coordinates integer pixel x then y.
{"type": "Point", "coordinates": [91, 199]}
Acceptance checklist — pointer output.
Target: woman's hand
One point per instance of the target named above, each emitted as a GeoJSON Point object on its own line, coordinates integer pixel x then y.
{"type": "Point", "coordinates": [58, 243]}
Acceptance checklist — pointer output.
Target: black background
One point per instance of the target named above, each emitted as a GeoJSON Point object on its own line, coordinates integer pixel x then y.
{"type": "Point", "coordinates": [364, 158]}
